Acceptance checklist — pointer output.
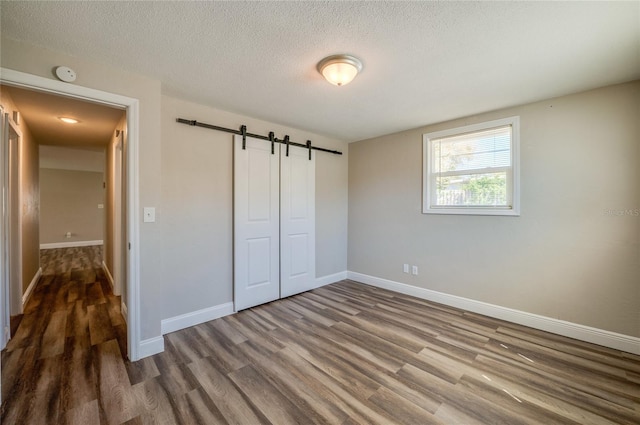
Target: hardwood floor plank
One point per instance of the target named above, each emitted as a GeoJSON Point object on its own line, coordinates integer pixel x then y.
{"type": "Point", "coordinates": [115, 315]}
{"type": "Point", "coordinates": [307, 397]}
{"type": "Point", "coordinates": [77, 319]}
{"type": "Point", "coordinates": [155, 404]}
{"type": "Point", "coordinates": [86, 413]}
{"type": "Point", "coordinates": [227, 330]}
{"type": "Point", "coordinates": [565, 410]}
{"type": "Point", "coordinates": [198, 408]}
{"type": "Point", "coordinates": [345, 354]}
{"type": "Point", "coordinates": [43, 406]}
{"type": "Point", "coordinates": [227, 398]}
{"type": "Point", "coordinates": [507, 397]}
{"type": "Point", "coordinates": [322, 298]}
{"type": "Point", "coordinates": [94, 293]}
{"type": "Point", "coordinates": [113, 383]}
{"type": "Point", "coordinates": [79, 383]}
{"type": "Point", "coordinates": [100, 327]}
{"type": "Point", "coordinates": [141, 370]}
{"type": "Point", "coordinates": [53, 339]}
{"type": "Point", "coordinates": [400, 410]}
{"type": "Point", "coordinates": [245, 326]}
{"type": "Point", "coordinates": [359, 409]}
{"type": "Point", "coordinates": [585, 399]}
{"type": "Point", "coordinates": [276, 407]}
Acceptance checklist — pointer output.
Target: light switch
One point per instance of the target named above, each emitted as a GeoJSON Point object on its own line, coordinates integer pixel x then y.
{"type": "Point", "coordinates": [100, 206]}
{"type": "Point", "coordinates": [149, 215]}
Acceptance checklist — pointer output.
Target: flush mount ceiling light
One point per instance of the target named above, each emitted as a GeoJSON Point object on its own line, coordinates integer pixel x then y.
{"type": "Point", "coordinates": [68, 120]}
{"type": "Point", "coordinates": [339, 69]}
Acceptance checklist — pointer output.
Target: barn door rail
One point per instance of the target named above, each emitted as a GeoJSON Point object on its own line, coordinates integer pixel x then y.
{"type": "Point", "coordinates": [270, 138]}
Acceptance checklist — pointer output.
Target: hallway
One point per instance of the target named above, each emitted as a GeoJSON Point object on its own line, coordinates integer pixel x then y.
{"type": "Point", "coordinates": [70, 335]}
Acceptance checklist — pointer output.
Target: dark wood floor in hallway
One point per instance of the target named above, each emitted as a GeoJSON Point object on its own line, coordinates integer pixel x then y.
{"type": "Point", "coordinates": [70, 334]}
{"type": "Point", "coordinates": [345, 354]}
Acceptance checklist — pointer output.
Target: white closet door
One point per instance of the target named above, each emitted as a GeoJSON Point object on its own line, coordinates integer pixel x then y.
{"type": "Point", "coordinates": [256, 223]}
{"type": "Point", "coordinates": [297, 221]}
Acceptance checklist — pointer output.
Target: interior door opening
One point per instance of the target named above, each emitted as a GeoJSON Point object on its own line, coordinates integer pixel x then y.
{"type": "Point", "coordinates": [129, 170]}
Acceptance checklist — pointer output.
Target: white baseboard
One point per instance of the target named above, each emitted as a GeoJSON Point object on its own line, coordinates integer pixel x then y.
{"type": "Point", "coordinates": [602, 337]}
{"type": "Point", "coordinates": [195, 318]}
{"type": "Point", "coordinates": [109, 277]}
{"type": "Point", "coordinates": [330, 278]}
{"type": "Point", "coordinates": [31, 287]}
{"type": "Point", "coordinates": [71, 244]}
{"type": "Point", "coordinates": [151, 346]}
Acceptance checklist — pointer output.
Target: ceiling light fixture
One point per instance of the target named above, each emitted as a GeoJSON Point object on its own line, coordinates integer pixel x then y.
{"type": "Point", "coordinates": [339, 69]}
{"type": "Point", "coordinates": [68, 120]}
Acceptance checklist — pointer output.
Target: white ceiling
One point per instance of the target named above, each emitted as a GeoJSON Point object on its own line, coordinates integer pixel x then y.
{"type": "Point", "coordinates": [424, 62]}
{"type": "Point", "coordinates": [41, 111]}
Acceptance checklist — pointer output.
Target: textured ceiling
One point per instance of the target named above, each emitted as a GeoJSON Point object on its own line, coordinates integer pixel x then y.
{"type": "Point", "coordinates": [424, 62]}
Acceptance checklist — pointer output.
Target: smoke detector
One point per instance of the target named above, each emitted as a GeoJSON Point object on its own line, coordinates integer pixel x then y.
{"type": "Point", "coordinates": [66, 74]}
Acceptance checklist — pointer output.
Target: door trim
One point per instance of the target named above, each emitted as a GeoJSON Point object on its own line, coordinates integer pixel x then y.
{"type": "Point", "coordinates": [15, 284]}
{"type": "Point", "coordinates": [20, 79]}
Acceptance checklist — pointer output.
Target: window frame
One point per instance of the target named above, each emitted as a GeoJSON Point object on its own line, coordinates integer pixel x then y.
{"type": "Point", "coordinates": [427, 174]}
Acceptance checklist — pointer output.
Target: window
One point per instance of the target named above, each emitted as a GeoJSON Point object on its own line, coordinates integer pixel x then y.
{"type": "Point", "coordinates": [472, 169]}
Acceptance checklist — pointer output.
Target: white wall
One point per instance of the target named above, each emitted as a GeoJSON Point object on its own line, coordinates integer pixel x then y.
{"type": "Point", "coordinates": [573, 254]}
{"type": "Point", "coordinates": [197, 201]}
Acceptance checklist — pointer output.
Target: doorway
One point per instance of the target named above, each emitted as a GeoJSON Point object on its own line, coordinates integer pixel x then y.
{"type": "Point", "coordinates": [10, 241]}
{"type": "Point", "coordinates": [130, 209]}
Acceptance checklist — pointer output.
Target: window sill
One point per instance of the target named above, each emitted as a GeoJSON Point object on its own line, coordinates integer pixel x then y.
{"type": "Point", "coordinates": [473, 211]}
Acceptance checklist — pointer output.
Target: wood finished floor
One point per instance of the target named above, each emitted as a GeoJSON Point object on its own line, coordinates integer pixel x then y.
{"type": "Point", "coordinates": [345, 354]}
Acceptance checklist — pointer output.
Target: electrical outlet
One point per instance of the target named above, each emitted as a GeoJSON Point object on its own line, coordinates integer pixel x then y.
{"type": "Point", "coordinates": [414, 270]}
{"type": "Point", "coordinates": [405, 268]}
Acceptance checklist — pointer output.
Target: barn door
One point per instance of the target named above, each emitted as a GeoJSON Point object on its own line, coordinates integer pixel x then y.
{"type": "Point", "coordinates": [274, 222]}
{"type": "Point", "coordinates": [297, 221]}
{"type": "Point", "coordinates": [256, 223]}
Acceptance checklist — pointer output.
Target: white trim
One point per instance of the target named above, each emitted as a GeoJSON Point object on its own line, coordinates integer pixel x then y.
{"type": "Point", "coordinates": [31, 287]}
{"type": "Point", "coordinates": [151, 346]}
{"type": "Point", "coordinates": [20, 79]}
{"type": "Point", "coordinates": [4, 238]}
{"type": "Point", "coordinates": [602, 337]}
{"type": "Point", "coordinates": [106, 271]}
{"type": "Point", "coordinates": [513, 176]}
{"type": "Point", "coordinates": [329, 279]}
{"type": "Point", "coordinates": [133, 234]}
{"type": "Point", "coordinates": [195, 318]}
{"type": "Point", "coordinates": [12, 77]}
{"type": "Point", "coordinates": [72, 244]}
{"type": "Point", "coordinates": [15, 252]}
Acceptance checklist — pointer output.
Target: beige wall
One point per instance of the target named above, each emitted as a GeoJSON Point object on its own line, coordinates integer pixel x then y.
{"type": "Point", "coordinates": [102, 76]}
{"type": "Point", "coordinates": [197, 201]}
{"type": "Point", "coordinates": [30, 197]}
{"type": "Point", "coordinates": [193, 211]}
{"type": "Point", "coordinates": [69, 203]}
{"type": "Point", "coordinates": [573, 254]}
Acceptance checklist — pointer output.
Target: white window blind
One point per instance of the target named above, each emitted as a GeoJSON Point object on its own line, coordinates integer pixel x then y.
{"type": "Point", "coordinates": [472, 169]}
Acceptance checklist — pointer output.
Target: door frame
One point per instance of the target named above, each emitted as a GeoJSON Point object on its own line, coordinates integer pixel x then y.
{"type": "Point", "coordinates": [132, 205]}
{"type": "Point", "coordinates": [117, 213]}
{"type": "Point", "coordinates": [14, 288]}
